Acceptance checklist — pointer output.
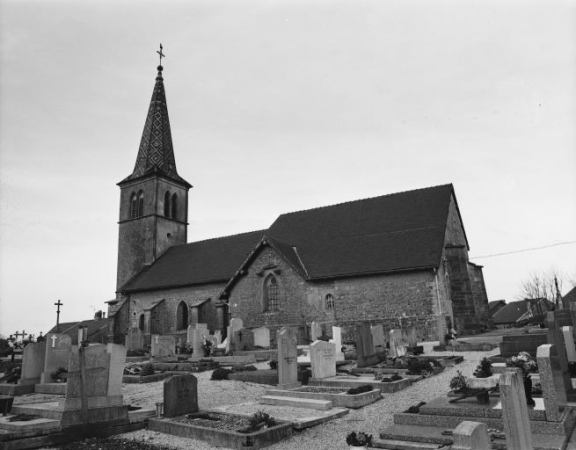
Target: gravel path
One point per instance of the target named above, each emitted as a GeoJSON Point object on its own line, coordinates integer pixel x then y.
{"type": "Point", "coordinates": [329, 436]}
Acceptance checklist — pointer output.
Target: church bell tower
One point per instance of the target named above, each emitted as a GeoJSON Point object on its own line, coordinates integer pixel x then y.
{"type": "Point", "coordinates": [154, 198]}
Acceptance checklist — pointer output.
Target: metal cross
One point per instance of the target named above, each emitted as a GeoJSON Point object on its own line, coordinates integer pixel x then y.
{"type": "Point", "coordinates": [162, 55]}
{"type": "Point", "coordinates": [59, 304]}
{"type": "Point", "coordinates": [19, 334]}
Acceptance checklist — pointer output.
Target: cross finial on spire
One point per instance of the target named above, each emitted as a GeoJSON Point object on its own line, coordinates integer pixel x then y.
{"type": "Point", "coordinates": [162, 55]}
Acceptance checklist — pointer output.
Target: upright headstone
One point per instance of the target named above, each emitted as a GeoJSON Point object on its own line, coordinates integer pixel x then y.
{"type": "Point", "coordinates": [244, 340]}
{"type": "Point", "coordinates": [236, 324]}
{"type": "Point", "coordinates": [287, 364]}
{"type": "Point", "coordinates": [134, 339]}
{"type": "Point", "coordinates": [471, 436]}
{"type": "Point", "coordinates": [262, 337]}
{"type": "Point", "coordinates": [553, 392]}
{"type": "Point", "coordinates": [365, 355]}
{"type": "Point", "coordinates": [180, 395]}
{"type": "Point", "coordinates": [397, 347]}
{"type": "Point", "coordinates": [198, 333]}
{"type": "Point", "coordinates": [190, 334]}
{"type": "Point", "coordinates": [568, 333]}
{"type": "Point", "coordinates": [218, 337]}
{"type": "Point", "coordinates": [515, 412]}
{"type": "Point", "coordinates": [337, 340]}
{"type": "Point", "coordinates": [323, 359]}
{"type": "Point", "coordinates": [315, 331]}
{"type": "Point", "coordinates": [58, 349]}
{"type": "Point", "coordinates": [556, 337]}
{"type": "Point", "coordinates": [33, 361]}
{"type": "Point", "coordinates": [412, 338]}
{"type": "Point", "coordinates": [378, 338]}
{"type": "Point", "coordinates": [163, 345]}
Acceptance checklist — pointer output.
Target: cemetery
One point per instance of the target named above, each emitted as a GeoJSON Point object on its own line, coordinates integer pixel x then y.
{"type": "Point", "coordinates": [238, 399]}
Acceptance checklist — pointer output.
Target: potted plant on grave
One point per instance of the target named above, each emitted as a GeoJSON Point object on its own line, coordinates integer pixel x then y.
{"type": "Point", "coordinates": [459, 384]}
{"type": "Point", "coordinates": [359, 440]}
{"type": "Point", "coordinates": [60, 375]}
{"type": "Point", "coordinates": [484, 369]}
{"type": "Point", "coordinates": [527, 365]}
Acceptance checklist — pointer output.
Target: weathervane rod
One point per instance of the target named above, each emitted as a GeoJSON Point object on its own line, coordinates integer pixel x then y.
{"type": "Point", "coordinates": [162, 55]}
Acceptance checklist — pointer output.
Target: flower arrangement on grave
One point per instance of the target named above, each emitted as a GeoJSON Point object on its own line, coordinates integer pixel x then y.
{"type": "Point", "coordinates": [59, 375]}
{"type": "Point", "coordinates": [525, 362]}
{"type": "Point", "coordinates": [459, 383]}
{"type": "Point", "coordinates": [359, 389]}
{"type": "Point", "coordinates": [359, 439]}
{"type": "Point", "coordinates": [527, 365]}
{"type": "Point", "coordinates": [484, 369]}
{"type": "Point", "coordinates": [273, 364]}
{"type": "Point", "coordinates": [220, 374]}
{"type": "Point", "coordinates": [424, 367]}
{"type": "Point", "coordinates": [147, 369]}
{"type": "Point", "coordinates": [259, 420]}
{"type": "Point", "coordinates": [207, 346]}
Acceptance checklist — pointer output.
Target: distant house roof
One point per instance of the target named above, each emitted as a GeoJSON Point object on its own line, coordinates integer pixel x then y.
{"type": "Point", "coordinates": [495, 305]}
{"type": "Point", "coordinates": [97, 330]}
{"type": "Point", "coordinates": [570, 296]}
{"type": "Point", "coordinates": [396, 232]}
{"type": "Point", "coordinates": [515, 312]}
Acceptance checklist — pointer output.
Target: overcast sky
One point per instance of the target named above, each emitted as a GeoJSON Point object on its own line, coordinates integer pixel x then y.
{"type": "Point", "coordinates": [279, 106]}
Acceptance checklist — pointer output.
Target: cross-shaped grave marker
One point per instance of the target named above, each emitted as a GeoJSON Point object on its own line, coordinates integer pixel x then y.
{"type": "Point", "coordinates": [53, 338]}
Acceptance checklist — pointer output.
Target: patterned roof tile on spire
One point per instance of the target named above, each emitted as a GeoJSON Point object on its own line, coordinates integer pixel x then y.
{"type": "Point", "coordinates": [156, 153]}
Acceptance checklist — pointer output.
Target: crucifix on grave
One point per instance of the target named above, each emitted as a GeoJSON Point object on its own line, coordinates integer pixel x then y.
{"type": "Point", "coordinates": [19, 334]}
{"type": "Point", "coordinates": [53, 339]}
{"type": "Point", "coordinates": [59, 304]}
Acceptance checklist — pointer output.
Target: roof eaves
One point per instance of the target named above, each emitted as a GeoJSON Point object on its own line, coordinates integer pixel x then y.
{"type": "Point", "coordinates": [371, 273]}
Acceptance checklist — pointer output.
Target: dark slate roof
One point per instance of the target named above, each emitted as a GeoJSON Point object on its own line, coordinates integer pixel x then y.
{"type": "Point", "coordinates": [495, 305]}
{"type": "Point", "coordinates": [397, 232]}
{"type": "Point", "coordinates": [514, 310]}
{"type": "Point", "coordinates": [570, 296]}
{"type": "Point", "coordinates": [156, 152]}
{"type": "Point", "coordinates": [212, 260]}
{"type": "Point", "coordinates": [97, 330]}
{"type": "Point", "coordinates": [402, 231]}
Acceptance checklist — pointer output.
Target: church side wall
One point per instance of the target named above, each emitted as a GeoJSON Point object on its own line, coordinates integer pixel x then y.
{"type": "Point", "coordinates": [163, 317]}
{"type": "Point", "coordinates": [393, 300]}
{"type": "Point", "coordinates": [480, 295]}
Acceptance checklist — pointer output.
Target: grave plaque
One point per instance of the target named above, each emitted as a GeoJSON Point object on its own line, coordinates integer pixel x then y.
{"type": "Point", "coordinates": [515, 412]}
{"type": "Point", "coordinates": [378, 338]}
{"type": "Point", "coordinates": [287, 354]}
{"type": "Point", "coordinates": [180, 395]}
{"type": "Point", "coordinates": [163, 345]}
{"type": "Point", "coordinates": [364, 346]}
{"type": "Point", "coordinates": [315, 331]}
{"type": "Point", "coordinates": [323, 359]}
{"type": "Point", "coordinates": [33, 361]}
{"type": "Point", "coordinates": [58, 349]}
{"type": "Point", "coordinates": [262, 337]}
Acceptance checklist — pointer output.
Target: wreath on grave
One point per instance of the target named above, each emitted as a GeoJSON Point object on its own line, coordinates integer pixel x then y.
{"type": "Point", "coordinates": [59, 375]}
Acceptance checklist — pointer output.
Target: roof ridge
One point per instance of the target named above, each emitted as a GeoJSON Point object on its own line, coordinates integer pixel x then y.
{"type": "Point", "coordinates": [369, 198]}
{"type": "Point", "coordinates": [221, 237]}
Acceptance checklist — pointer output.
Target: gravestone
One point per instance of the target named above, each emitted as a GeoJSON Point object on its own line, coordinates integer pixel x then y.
{"type": "Point", "coordinates": [196, 335]}
{"type": "Point", "coordinates": [397, 348]}
{"type": "Point", "coordinates": [412, 338]}
{"type": "Point", "coordinates": [58, 349]}
{"type": "Point", "coordinates": [556, 338]}
{"type": "Point", "coordinates": [515, 412]}
{"type": "Point", "coordinates": [553, 392]}
{"type": "Point", "coordinates": [378, 338]}
{"type": "Point", "coordinates": [218, 337]}
{"type": "Point", "coordinates": [163, 345]}
{"type": "Point", "coordinates": [235, 325]}
{"type": "Point", "coordinates": [287, 339]}
{"type": "Point", "coordinates": [323, 359]}
{"type": "Point", "coordinates": [315, 331]}
{"type": "Point", "coordinates": [244, 340]}
{"type": "Point", "coordinates": [568, 333]}
{"type": "Point", "coordinates": [262, 337]}
{"type": "Point", "coordinates": [33, 362]}
{"type": "Point", "coordinates": [337, 341]}
{"type": "Point", "coordinates": [134, 339]}
{"type": "Point", "coordinates": [365, 355]}
{"type": "Point", "coordinates": [471, 436]}
{"type": "Point", "coordinates": [180, 395]}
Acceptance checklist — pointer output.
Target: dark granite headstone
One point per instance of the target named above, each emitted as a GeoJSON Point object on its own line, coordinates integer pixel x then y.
{"type": "Point", "coordinates": [180, 395]}
{"type": "Point", "coordinates": [366, 356]}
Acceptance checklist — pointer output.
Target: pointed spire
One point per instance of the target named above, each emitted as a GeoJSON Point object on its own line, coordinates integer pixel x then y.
{"type": "Point", "coordinates": [156, 153]}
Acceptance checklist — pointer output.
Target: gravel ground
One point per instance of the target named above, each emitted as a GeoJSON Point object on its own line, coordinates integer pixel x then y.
{"type": "Point", "coordinates": [329, 436]}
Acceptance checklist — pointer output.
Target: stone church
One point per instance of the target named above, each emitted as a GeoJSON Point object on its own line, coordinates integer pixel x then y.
{"type": "Point", "coordinates": [400, 259]}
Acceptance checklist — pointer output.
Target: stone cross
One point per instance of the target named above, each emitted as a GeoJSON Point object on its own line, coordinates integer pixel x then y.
{"type": "Point", "coordinates": [515, 412]}
{"type": "Point", "coordinates": [53, 339]}
{"type": "Point", "coordinates": [58, 304]}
